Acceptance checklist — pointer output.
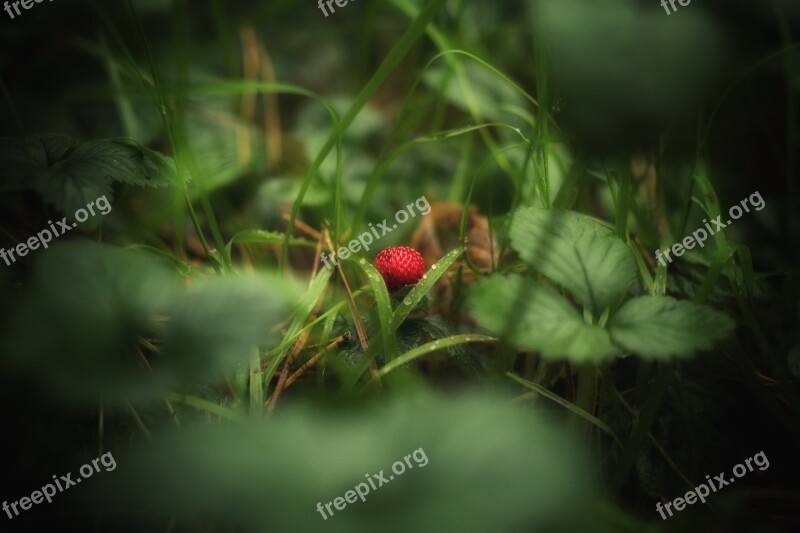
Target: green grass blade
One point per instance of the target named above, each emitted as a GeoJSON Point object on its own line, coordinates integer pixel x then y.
{"type": "Point", "coordinates": [647, 416]}
{"type": "Point", "coordinates": [431, 347]}
{"type": "Point", "coordinates": [304, 310]}
{"type": "Point", "coordinates": [205, 405]}
{"type": "Point", "coordinates": [383, 304]}
{"type": "Point", "coordinates": [256, 386]}
{"type": "Point", "coordinates": [423, 286]}
{"type": "Point", "coordinates": [571, 407]}
{"type": "Point", "coordinates": [260, 236]}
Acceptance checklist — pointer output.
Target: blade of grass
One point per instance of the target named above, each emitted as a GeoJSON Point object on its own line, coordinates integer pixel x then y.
{"type": "Point", "coordinates": [383, 304]}
{"type": "Point", "coordinates": [304, 310]}
{"type": "Point", "coordinates": [259, 236]}
{"type": "Point", "coordinates": [256, 386]}
{"type": "Point", "coordinates": [431, 347]}
{"type": "Point", "coordinates": [423, 286]}
{"type": "Point", "coordinates": [205, 405]}
{"type": "Point", "coordinates": [640, 429]}
{"type": "Point", "coordinates": [571, 407]}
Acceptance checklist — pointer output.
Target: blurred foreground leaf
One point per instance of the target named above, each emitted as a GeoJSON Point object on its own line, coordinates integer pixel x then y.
{"type": "Point", "coordinates": [77, 324]}
{"type": "Point", "coordinates": [477, 464]}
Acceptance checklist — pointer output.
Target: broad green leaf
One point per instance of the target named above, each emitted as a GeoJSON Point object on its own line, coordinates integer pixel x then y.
{"type": "Point", "coordinates": [542, 319]}
{"type": "Point", "coordinates": [576, 252]}
{"type": "Point", "coordinates": [453, 459]}
{"type": "Point", "coordinates": [77, 326]}
{"type": "Point", "coordinates": [657, 327]}
{"type": "Point", "coordinates": [117, 161]}
{"type": "Point", "coordinates": [70, 175]}
{"type": "Point", "coordinates": [212, 328]}
{"type": "Point", "coordinates": [22, 158]}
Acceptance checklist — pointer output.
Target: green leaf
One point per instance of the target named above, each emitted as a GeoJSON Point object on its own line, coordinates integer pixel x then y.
{"type": "Point", "coordinates": [94, 302]}
{"type": "Point", "coordinates": [657, 327]}
{"type": "Point", "coordinates": [212, 328]}
{"type": "Point", "coordinates": [541, 319]}
{"type": "Point", "coordinates": [576, 252]}
{"type": "Point", "coordinates": [117, 161]}
{"type": "Point", "coordinates": [18, 162]}
{"type": "Point", "coordinates": [219, 472]}
{"type": "Point", "coordinates": [70, 175]}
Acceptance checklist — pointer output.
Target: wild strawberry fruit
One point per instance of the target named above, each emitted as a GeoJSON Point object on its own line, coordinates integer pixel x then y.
{"type": "Point", "coordinates": [400, 266]}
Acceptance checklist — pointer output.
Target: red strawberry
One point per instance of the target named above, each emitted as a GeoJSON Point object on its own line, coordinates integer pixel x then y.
{"type": "Point", "coordinates": [400, 266]}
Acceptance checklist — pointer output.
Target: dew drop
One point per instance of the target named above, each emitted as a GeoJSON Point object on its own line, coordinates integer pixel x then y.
{"type": "Point", "coordinates": [407, 301]}
{"type": "Point", "coordinates": [424, 276]}
{"type": "Point", "coordinates": [433, 267]}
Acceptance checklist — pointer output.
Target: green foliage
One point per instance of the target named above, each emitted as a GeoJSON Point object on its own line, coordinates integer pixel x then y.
{"type": "Point", "coordinates": [534, 316]}
{"type": "Point", "coordinates": [121, 343]}
{"type": "Point", "coordinates": [593, 264]}
{"type": "Point", "coordinates": [576, 252]}
{"type": "Point", "coordinates": [482, 454]}
{"type": "Point", "coordinates": [69, 174]}
{"type": "Point", "coordinates": [98, 302]}
{"type": "Point", "coordinates": [658, 327]}
{"type": "Point", "coordinates": [213, 327]}
{"type": "Point", "coordinates": [94, 302]}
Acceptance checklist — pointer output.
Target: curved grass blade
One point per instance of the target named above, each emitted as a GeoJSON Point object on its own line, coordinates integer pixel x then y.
{"type": "Point", "coordinates": [205, 405]}
{"type": "Point", "coordinates": [431, 347]}
{"type": "Point", "coordinates": [382, 301]}
{"type": "Point", "coordinates": [567, 405]}
{"type": "Point", "coordinates": [259, 236]}
{"type": "Point", "coordinates": [421, 289]}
